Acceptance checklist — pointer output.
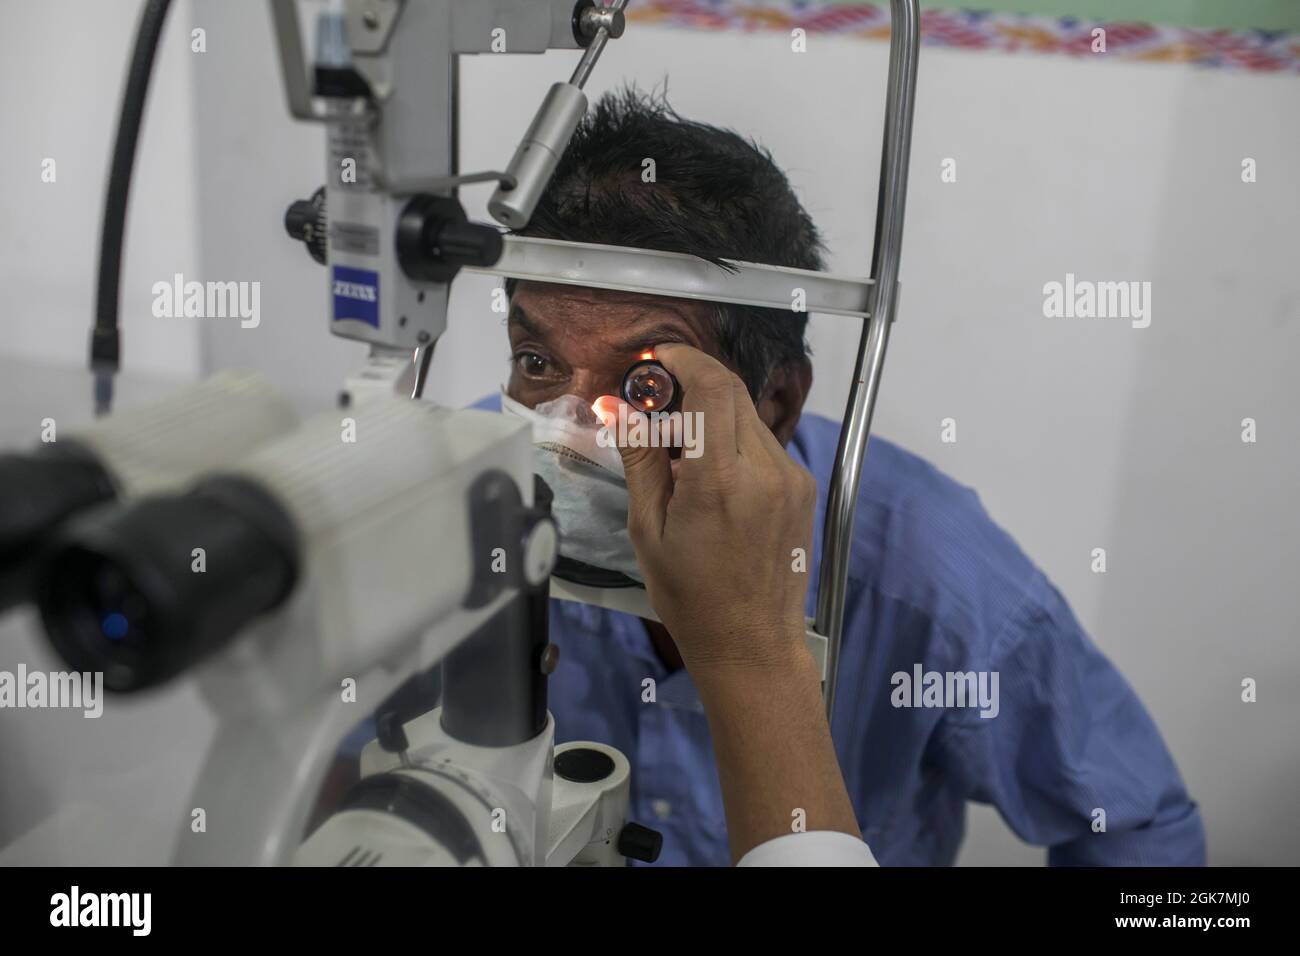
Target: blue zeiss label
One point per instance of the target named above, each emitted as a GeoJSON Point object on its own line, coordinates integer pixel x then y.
{"type": "Point", "coordinates": [356, 295]}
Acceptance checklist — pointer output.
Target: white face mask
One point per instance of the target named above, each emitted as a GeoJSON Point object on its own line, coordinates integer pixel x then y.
{"type": "Point", "coordinates": [586, 479]}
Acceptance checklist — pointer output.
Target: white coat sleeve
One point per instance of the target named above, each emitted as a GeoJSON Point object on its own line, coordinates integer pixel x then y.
{"type": "Point", "coordinates": [814, 848]}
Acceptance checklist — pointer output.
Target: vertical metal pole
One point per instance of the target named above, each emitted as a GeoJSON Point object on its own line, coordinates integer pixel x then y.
{"type": "Point", "coordinates": [904, 42]}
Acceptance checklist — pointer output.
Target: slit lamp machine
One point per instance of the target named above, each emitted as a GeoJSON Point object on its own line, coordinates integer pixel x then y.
{"type": "Point", "coordinates": [325, 563]}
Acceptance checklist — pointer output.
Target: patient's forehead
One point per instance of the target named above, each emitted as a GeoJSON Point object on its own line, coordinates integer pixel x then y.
{"type": "Point", "coordinates": [564, 311]}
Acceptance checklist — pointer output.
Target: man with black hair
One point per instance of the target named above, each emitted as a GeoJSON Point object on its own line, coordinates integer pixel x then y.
{"type": "Point", "coordinates": [1065, 750]}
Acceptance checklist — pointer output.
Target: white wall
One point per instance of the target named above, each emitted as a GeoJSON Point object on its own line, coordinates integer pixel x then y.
{"type": "Point", "coordinates": [1077, 433]}
{"type": "Point", "coordinates": [64, 68]}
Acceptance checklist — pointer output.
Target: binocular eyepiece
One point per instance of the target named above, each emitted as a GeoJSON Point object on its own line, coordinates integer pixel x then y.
{"type": "Point", "coordinates": [143, 590]}
{"type": "Point", "coordinates": [38, 491]}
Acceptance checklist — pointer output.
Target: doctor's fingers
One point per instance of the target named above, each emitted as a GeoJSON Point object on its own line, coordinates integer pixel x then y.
{"type": "Point", "coordinates": [709, 393]}
{"type": "Point", "coordinates": [646, 469]}
{"type": "Point", "coordinates": [712, 381]}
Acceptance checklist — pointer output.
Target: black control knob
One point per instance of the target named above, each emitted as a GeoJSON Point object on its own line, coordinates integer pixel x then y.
{"type": "Point", "coordinates": [467, 244]}
{"type": "Point", "coordinates": [305, 221]}
{"type": "Point", "coordinates": [583, 765]}
{"type": "Point", "coordinates": [390, 733]}
{"type": "Point", "coordinates": [435, 239]}
{"type": "Point", "coordinates": [640, 843]}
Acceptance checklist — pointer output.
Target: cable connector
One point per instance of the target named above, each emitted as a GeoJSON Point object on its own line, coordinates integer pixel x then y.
{"type": "Point", "coordinates": [105, 359]}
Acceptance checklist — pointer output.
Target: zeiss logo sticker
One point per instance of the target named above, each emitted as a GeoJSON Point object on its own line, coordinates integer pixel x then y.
{"type": "Point", "coordinates": [356, 295]}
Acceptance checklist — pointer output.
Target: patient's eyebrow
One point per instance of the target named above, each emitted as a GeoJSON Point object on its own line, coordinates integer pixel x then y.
{"type": "Point", "coordinates": [520, 318]}
{"type": "Point", "coordinates": [632, 342]}
{"type": "Point", "coordinates": [661, 332]}
{"type": "Point", "coordinates": [655, 335]}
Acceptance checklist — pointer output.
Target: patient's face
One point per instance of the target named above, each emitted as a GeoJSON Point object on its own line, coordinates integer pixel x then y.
{"type": "Point", "coordinates": [568, 340]}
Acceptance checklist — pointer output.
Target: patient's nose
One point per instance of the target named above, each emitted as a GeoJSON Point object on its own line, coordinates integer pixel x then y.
{"type": "Point", "coordinates": [590, 384]}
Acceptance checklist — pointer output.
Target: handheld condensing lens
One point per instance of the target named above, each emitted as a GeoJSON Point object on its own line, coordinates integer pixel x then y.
{"type": "Point", "coordinates": [649, 387]}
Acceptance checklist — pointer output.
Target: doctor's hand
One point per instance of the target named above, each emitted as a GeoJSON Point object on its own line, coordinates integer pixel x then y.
{"type": "Point", "coordinates": [716, 534]}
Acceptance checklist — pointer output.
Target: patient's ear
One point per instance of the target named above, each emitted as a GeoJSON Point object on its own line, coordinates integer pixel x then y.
{"type": "Point", "coordinates": [781, 402]}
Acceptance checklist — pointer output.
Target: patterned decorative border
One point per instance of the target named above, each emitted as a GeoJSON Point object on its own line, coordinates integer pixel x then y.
{"type": "Point", "coordinates": [1263, 51]}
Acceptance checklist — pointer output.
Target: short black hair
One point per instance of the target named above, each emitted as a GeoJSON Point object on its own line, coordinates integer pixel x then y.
{"type": "Point", "coordinates": [715, 194]}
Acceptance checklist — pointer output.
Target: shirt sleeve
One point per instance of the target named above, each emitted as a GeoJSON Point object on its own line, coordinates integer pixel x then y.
{"type": "Point", "coordinates": [813, 848]}
{"type": "Point", "coordinates": [1072, 760]}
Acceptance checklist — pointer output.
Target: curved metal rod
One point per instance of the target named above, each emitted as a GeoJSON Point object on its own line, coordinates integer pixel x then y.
{"type": "Point", "coordinates": [904, 42]}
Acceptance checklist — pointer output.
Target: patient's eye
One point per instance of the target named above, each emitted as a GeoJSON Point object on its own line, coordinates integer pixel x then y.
{"type": "Point", "coordinates": [532, 365]}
